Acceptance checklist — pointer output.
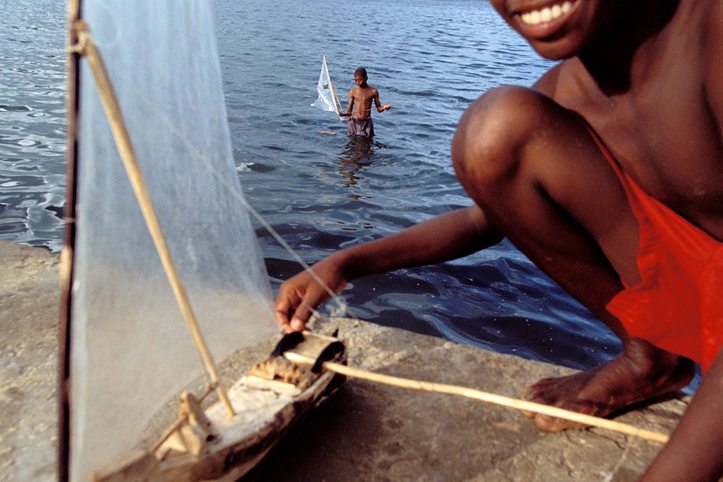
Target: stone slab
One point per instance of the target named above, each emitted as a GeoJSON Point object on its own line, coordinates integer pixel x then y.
{"type": "Point", "coordinates": [363, 432]}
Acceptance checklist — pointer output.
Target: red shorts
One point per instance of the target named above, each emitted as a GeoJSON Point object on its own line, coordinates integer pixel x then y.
{"type": "Point", "coordinates": [678, 305]}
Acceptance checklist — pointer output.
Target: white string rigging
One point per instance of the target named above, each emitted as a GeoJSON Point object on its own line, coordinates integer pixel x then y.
{"type": "Point", "coordinates": [341, 306]}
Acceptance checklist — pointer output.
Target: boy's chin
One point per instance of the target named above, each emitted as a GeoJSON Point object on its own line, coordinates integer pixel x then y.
{"type": "Point", "coordinates": [556, 50]}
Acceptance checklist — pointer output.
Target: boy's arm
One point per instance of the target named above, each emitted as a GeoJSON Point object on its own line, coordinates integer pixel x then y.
{"type": "Point", "coordinates": [351, 102]}
{"type": "Point", "coordinates": [449, 236]}
{"type": "Point", "coordinates": [380, 107]}
{"type": "Point", "coordinates": [695, 449]}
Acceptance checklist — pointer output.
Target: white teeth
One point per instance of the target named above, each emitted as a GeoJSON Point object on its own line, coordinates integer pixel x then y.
{"type": "Point", "coordinates": [535, 17]}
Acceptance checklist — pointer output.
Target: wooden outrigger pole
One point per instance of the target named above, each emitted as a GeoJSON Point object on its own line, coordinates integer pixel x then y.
{"type": "Point", "coordinates": [337, 104]}
{"type": "Point", "coordinates": [66, 266]}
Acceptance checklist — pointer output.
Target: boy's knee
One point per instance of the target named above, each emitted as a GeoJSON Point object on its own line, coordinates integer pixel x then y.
{"type": "Point", "coordinates": [494, 131]}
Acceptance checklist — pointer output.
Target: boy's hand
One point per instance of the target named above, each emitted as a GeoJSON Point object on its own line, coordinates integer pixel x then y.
{"type": "Point", "coordinates": [302, 293]}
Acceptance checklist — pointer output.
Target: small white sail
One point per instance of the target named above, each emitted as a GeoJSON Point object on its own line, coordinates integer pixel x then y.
{"type": "Point", "coordinates": [131, 349]}
{"type": "Point", "coordinates": [328, 100]}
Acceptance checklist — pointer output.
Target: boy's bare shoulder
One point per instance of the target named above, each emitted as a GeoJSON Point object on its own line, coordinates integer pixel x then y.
{"type": "Point", "coordinates": [547, 84]}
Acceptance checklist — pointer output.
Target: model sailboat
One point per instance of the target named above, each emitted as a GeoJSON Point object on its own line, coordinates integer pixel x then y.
{"type": "Point", "coordinates": [327, 100]}
{"type": "Point", "coordinates": [147, 106]}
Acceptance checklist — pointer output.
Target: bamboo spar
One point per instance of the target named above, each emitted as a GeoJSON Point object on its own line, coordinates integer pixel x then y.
{"type": "Point", "coordinates": [87, 48]}
{"type": "Point", "coordinates": [66, 256]}
{"type": "Point", "coordinates": [337, 103]}
{"type": "Point", "coordinates": [483, 396]}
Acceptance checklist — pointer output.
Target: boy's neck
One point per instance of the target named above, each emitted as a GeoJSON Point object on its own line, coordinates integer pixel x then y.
{"type": "Point", "coordinates": [627, 45]}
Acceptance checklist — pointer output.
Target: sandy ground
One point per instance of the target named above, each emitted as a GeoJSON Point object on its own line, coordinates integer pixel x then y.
{"type": "Point", "coordinates": [363, 432]}
{"type": "Point", "coordinates": [28, 362]}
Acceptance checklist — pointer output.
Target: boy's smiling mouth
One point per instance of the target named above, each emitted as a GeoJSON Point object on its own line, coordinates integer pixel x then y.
{"type": "Point", "coordinates": [542, 20]}
{"type": "Point", "coordinates": [545, 14]}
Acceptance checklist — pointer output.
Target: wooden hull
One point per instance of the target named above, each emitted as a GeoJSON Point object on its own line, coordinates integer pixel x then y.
{"type": "Point", "coordinates": [266, 410]}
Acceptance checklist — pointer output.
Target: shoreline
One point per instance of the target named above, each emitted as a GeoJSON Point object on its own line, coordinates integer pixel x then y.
{"type": "Point", "coordinates": [364, 431]}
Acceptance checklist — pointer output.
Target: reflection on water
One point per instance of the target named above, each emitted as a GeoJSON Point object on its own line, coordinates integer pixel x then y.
{"type": "Point", "coordinates": [358, 154]}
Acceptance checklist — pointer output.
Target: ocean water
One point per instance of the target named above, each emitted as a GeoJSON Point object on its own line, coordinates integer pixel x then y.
{"type": "Point", "coordinates": [320, 190]}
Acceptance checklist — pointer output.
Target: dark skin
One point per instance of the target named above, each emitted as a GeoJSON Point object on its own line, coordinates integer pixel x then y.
{"type": "Point", "coordinates": [647, 76]}
{"type": "Point", "coordinates": [361, 97]}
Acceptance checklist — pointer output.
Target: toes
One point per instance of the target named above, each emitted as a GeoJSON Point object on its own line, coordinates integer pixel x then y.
{"type": "Point", "coordinates": [542, 394]}
{"type": "Point", "coordinates": [530, 394]}
{"type": "Point", "coordinates": [554, 424]}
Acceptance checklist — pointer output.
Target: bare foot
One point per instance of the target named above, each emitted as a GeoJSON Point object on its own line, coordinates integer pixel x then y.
{"type": "Point", "coordinates": [641, 372]}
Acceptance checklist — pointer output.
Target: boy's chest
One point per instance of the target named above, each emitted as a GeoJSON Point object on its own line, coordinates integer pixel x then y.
{"type": "Point", "coordinates": [362, 94]}
{"type": "Point", "coordinates": [665, 137]}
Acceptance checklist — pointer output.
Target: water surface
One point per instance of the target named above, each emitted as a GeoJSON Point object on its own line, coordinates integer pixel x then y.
{"type": "Point", "coordinates": [320, 191]}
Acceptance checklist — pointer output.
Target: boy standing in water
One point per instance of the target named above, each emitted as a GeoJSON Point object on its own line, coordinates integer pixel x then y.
{"type": "Point", "coordinates": [360, 103]}
{"type": "Point", "coordinates": [607, 174]}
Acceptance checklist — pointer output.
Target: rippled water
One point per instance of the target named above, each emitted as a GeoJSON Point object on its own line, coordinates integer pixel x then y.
{"type": "Point", "coordinates": [323, 191]}
{"type": "Point", "coordinates": [32, 121]}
